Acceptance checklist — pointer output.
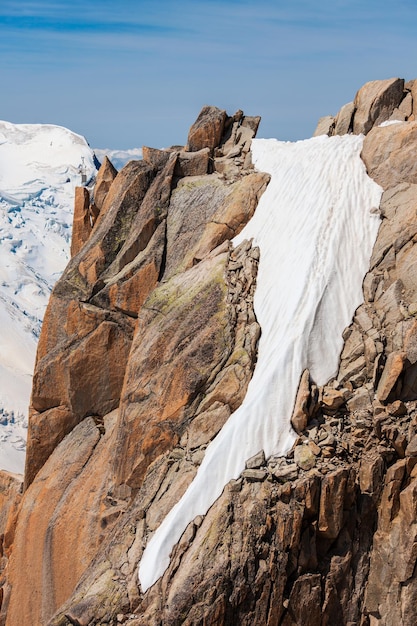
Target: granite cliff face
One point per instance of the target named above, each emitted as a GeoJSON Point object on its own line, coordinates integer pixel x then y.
{"type": "Point", "coordinates": [147, 347]}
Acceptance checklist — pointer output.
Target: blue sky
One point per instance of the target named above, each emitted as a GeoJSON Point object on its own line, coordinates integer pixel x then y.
{"type": "Point", "coordinates": [128, 73]}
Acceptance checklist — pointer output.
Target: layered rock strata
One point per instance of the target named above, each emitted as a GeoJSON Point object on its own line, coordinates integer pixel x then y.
{"type": "Point", "coordinates": [148, 345]}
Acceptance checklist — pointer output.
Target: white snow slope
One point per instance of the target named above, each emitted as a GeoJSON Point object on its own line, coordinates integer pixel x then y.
{"type": "Point", "coordinates": [315, 230]}
{"type": "Point", "coordinates": [38, 174]}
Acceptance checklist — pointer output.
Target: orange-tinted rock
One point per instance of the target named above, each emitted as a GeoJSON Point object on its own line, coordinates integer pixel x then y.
{"type": "Point", "coordinates": [128, 289]}
{"type": "Point", "coordinates": [10, 496]}
{"type": "Point", "coordinates": [375, 102]}
{"type": "Point", "coordinates": [192, 357]}
{"type": "Point", "coordinates": [155, 158]}
{"type": "Point", "coordinates": [104, 590]}
{"type": "Point", "coordinates": [71, 386]}
{"type": "Point", "coordinates": [180, 339]}
{"type": "Point", "coordinates": [81, 225]}
{"type": "Point", "coordinates": [62, 522]}
{"type": "Point", "coordinates": [193, 163]}
{"type": "Point", "coordinates": [392, 585]}
{"type": "Point", "coordinates": [344, 119]}
{"type": "Point", "coordinates": [332, 503]}
{"type": "Point", "coordinates": [398, 208]}
{"type": "Point", "coordinates": [47, 429]}
{"type": "Point", "coordinates": [207, 130]}
{"type": "Point", "coordinates": [234, 212]}
{"type": "Point", "coordinates": [78, 336]}
{"type": "Point", "coordinates": [105, 177]}
{"type": "Point", "coordinates": [325, 126]}
{"type": "Point", "coordinates": [205, 212]}
{"type": "Point", "coordinates": [149, 215]}
{"type": "Point", "coordinates": [304, 602]}
{"type": "Point", "coordinates": [115, 218]}
{"type": "Point", "coordinates": [392, 370]}
{"type": "Point", "coordinates": [388, 154]}
{"type": "Point", "coordinates": [299, 418]}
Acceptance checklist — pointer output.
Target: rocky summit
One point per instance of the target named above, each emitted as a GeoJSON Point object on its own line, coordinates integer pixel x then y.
{"type": "Point", "coordinates": [148, 345]}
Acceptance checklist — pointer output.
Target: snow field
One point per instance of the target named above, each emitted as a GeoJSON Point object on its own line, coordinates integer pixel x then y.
{"type": "Point", "coordinates": [38, 174]}
{"type": "Point", "coordinates": [315, 230]}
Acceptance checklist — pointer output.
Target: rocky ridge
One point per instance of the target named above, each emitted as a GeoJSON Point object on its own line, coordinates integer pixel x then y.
{"type": "Point", "coordinates": [147, 347]}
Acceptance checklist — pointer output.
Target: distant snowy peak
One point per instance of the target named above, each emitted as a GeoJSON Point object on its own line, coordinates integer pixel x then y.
{"type": "Point", "coordinates": [40, 166]}
{"type": "Point", "coordinates": [31, 154]}
{"type": "Point", "coordinates": [119, 158]}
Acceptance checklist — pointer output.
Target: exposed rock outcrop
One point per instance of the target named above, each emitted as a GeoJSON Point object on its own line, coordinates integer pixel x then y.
{"type": "Point", "coordinates": [207, 130]}
{"type": "Point", "coordinates": [388, 154]}
{"type": "Point", "coordinates": [153, 293]}
{"type": "Point", "coordinates": [149, 344]}
{"type": "Point", "coordinates": [376, 102]}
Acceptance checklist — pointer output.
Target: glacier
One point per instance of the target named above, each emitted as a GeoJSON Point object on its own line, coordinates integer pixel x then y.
{"type": "Point", "coordinates": [315, 225]}
{"type": "Point", "coordinates": [39, 169]}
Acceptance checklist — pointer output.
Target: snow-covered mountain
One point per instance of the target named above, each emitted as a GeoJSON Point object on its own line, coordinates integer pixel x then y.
{"type": "Point", "coordinates": [118, 157]}
{"type": "Point", "coordinates": [40, 166]}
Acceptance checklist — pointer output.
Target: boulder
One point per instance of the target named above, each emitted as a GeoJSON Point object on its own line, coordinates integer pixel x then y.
{"type": "Point", "coordinates": [154, 157]}
{"type": "Point", "coordinates": [333, 399]}
{"type": "Point", "coordinates": [207, 130]}
{"type": "Point", "coordinates": [304, 457]}
{"type": "Point", "coordinates": [300, 414]}
{"type": "Point", "coordinates": [375, 102]}
{"type": "Point", "coordinates": [251, 122]}
{"type": "Point", "coordinates": [256, 461]}
{"type": "Point", "coordinates": [193, 163]}
{"type": "Point", "coordinates": [392, 370]}
{"type": "Point", "coordinates": [388, 154]}
{"type": "Point", "coordinates": [344, 119]}
{"type": "Point", "coordinates": [325, 126]}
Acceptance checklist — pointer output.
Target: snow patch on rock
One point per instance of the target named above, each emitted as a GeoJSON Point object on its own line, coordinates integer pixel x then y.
{"type": "Point", "coordinates": [315, 230]}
